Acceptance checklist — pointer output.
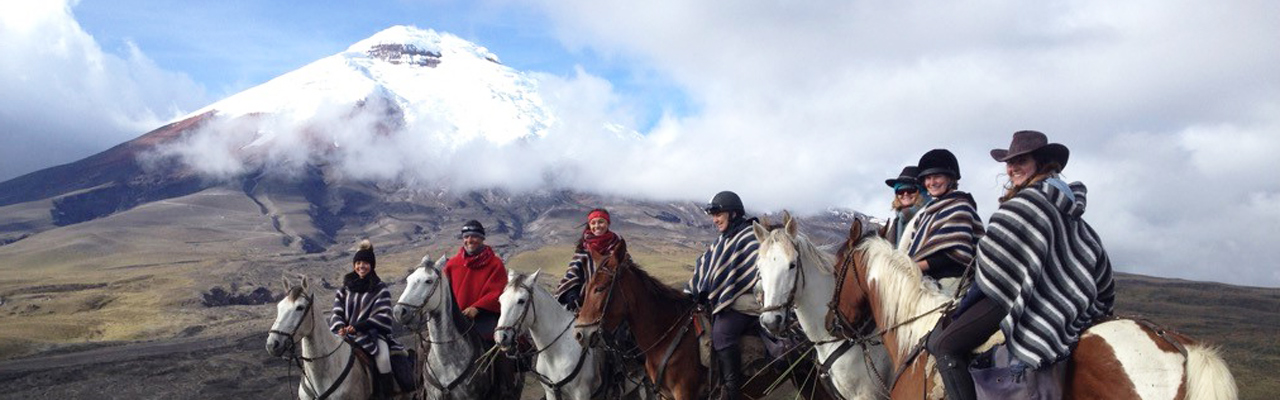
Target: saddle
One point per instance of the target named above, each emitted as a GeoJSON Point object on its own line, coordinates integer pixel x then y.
{"type": "Point", "coordinates": [755, 357]}
{"type": "Point", "coordinates": [402, 368]}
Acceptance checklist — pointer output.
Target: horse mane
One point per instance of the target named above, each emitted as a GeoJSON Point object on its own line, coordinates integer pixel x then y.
{"type": "Point", "coordinates": [295, 292]}
{"type": "Point", "coordinates": [901, 289]}
{"type": "Point", "coordinates": [653, 286]}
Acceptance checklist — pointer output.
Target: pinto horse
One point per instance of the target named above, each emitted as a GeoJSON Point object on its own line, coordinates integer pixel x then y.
{"type": "Point", "coordinates": [662, 320]}
{"type": "Point", "coordinates": [1115, 359]}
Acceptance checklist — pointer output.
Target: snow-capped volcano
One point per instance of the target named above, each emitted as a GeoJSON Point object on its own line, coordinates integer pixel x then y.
{"type": "Point", "coordinates": [435, 84]}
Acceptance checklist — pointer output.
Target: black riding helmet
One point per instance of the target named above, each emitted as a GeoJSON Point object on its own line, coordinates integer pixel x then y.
{"type": "Point", "coordinates": [724, 201]}
{"type": "Point", "coordinates": [939, 161]}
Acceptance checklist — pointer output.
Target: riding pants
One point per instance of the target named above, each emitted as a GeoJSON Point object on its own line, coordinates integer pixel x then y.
{"type": "Point", "coordinates": [729, 326]}
{"type": "Point", "coordinates": [383, 359]}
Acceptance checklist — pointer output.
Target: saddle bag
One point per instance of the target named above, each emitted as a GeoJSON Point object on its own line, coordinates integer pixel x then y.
{"type": "Point", "coordinates": [999, 375]}
{"type": "Point", "coordinates": [403, 370]}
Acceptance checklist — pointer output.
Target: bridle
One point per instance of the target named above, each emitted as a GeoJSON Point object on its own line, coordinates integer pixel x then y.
{"type": "Point", "coordinates": [299, 359]}
{"type": "Point", "coordinates": [556, 386]}
{"type": "Point", "coordinates": [608, 296]}
{"type": "Point", "coordinates": [420, 310]}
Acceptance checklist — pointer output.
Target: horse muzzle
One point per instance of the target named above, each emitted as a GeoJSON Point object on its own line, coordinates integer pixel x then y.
{"type": "Point", "coordinates": [773, 322]}
{"type": "Point", "coordinates": [277, 347]}
{"type": "Point", "coordinates": [586, 335]}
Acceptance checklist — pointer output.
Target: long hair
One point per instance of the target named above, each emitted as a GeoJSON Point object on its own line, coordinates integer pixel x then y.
{"type": "Point", "coordinates": [1044, 170]}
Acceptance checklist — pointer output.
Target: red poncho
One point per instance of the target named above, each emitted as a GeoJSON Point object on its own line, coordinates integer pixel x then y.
{"type": "Point", "coordinates": [478, 280]}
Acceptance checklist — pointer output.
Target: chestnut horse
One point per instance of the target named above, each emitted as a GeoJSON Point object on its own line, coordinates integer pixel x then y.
{"type": "Point", "coordinates": [1115, 359]}
{"type": "Point", "coordinates": [661, 318]}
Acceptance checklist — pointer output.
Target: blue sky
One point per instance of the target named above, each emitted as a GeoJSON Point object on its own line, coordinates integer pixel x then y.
{"type": "Point", "coordinates": [229, 46]}
{"type": "Point", "coordinates": [1171, 108]}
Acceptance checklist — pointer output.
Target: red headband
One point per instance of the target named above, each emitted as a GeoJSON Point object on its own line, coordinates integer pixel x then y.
{"type": "Point", "coordinates": [599, 214]}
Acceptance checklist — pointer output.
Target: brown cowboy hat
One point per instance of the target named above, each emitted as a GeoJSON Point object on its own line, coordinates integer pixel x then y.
{"type": "Point", "coordinates": [1028, 142]}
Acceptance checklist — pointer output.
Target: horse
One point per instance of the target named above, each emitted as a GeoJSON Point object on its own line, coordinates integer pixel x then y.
{"type": "Point", "coordinates": [329, 366]}
{"type": "Point", "coordinates": [565, 368]}
{"type": "Point", "coordinates": [453, 359]}
{"type": "Point", "coordinates": [795, 275]}
{"type": "Point", "coordinates": [1114, 359]}
{"type": "Point", "coordinates": [662, 320]}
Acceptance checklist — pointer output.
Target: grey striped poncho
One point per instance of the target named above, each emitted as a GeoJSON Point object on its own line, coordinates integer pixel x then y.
{"type": "Point", "coordinates": [572, 287]}
{"type": "Point", "coordinates": [728, 268]}
{"type": "Point", "coordinates": [948, 225]}
{"type": "Point", "coordinates": [1043, 263]}
{"type": "Point", "coordinates": [369, 312]}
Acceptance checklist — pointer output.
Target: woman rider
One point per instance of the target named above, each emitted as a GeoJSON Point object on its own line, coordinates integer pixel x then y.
{"type": "Point", "coordinates": [907, 201]}
{"type": "Point", "coordinates": [722, 281]}
{"type": "Point", "coordinates": [596, 237]}
{"type": "Point", "coordinates": [362, 312]}
{"type": "Point", "coordinates": [941, 237]}
{"type": "Point", "coordinates": [1041, 296]}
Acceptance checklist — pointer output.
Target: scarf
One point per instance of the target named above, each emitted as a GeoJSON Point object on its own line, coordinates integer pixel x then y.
{"type": "Point", "coordinates": [355, 283]}
{"type": "Point", "coordinates": [601, 244]}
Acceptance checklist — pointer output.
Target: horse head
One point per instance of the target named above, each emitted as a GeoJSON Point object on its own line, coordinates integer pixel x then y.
{"type": "Point", "coordinates": [602, 307]}
{"type": "Point", "coordinates": [293, 319]}
{"type": "Point", "coordinates": [853, 283]}
{"type": "Point", "coordinates": [778, 270]}
{"type": "Point", "coordinates": [517, 313]}
{"type": "Point", "coordinates": [420, 294]}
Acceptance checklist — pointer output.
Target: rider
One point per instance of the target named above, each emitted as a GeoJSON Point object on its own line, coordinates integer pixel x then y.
{"type": "Point", "coordinates": [941, 237]}
{"type": "Point", "coordinates": [722, 282]}
{"type": "Point", "coordinates": [596, 237]}
{"type": "Point", "coordinates": [1042, 274]}
{"type": "Point", "coordinates": [907, 200]}
{"type": "Point", "coordinates": [477, 277]}
{"type": "Point", "coordinates": [362, 312]}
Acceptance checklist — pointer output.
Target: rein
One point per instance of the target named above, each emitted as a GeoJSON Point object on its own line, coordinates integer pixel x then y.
{"type": "Point", "coordinates": [556, 386]}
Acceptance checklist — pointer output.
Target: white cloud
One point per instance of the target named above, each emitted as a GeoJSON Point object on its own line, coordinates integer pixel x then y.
{"type": "Point", "coordinates": [1170, 109]}
{"type": "Point", "coordinates": [65, 98]}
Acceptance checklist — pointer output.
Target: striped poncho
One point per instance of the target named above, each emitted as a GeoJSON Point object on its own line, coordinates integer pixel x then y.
{"type": "Point", "coordinates": [1044, 264]}
{"type": "Point", "coordinates": [572, 287]}
{"type": "Point", "coordinates": [728, 268]}
{"type": "Point", "coordinates": [948, 225]}
{"type": "Point", "coordinates": [369, 312]}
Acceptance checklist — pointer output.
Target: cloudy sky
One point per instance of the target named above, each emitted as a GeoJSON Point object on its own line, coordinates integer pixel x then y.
{"type": "Point", "coordinates": [1171, 108]}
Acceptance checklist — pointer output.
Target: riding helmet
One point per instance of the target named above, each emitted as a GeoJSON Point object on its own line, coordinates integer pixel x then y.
{"type": "Point", "coordinates": [939, 161]}
{"type": "Point", "coordinates": [724, 201]}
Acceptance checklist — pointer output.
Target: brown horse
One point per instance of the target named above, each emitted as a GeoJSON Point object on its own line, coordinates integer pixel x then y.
{"type": "Point", "coordinates": [661, 318]}
{"type": "Point", "coordinates": [1115, 359]}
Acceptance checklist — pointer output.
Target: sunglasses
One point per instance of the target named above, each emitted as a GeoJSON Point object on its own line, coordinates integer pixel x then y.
{"type": "Point", "coordinates": [905, 191]}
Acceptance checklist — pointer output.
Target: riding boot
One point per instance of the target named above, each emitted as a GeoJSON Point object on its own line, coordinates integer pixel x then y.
{"type": "Point", "coordinates": [956, 378]}
{"type": "Point", "coordinates": [730, 360]}
{"type": "Point", "coordinates": [383, 386]}
{"type": "Point", "coordinates": [504, 370]}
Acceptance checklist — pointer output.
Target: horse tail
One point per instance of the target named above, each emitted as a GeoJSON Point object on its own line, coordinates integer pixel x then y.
{"type": "Point", "coordinates": [1207, 374]}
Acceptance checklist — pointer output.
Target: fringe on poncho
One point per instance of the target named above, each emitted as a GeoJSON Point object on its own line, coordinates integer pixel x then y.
{"type": "Point", "coordinates": [572, 288]}
{"type": "Point", "coordinates": [728, 268]}
{"type": "Point", "coordinates": [1042, 262]}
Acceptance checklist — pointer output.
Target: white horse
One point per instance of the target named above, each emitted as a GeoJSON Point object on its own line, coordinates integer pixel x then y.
{"type": "Point", "coordinates": [794, 274]}
{"type": "Point", "coordinates": [329, 367]}
{"type": "Point", "coordinates": [565, 368]}
{"type": "Point", "coordinates": [454, 350]}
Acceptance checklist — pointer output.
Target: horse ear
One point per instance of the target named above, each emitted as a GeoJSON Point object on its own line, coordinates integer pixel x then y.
{"type": "Point", "coordinates": [855, 229]}
{"type": "Point", "coordinates": [790, 224]}
{"type": "Point", "coordinates": [759, 230]}
{"type": "Point", "coordinates": [284, 280]}
{"type": "Point", "coordinates": [426, 260]}
{"type": "Point", "coordinates": [620, 252]}
{"type": "Point", "coordinates": [440, 262]}
{"type": "Point", "coordinates": [304, 283]}
{"type": "Point", "coordinates": [533, 278]}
